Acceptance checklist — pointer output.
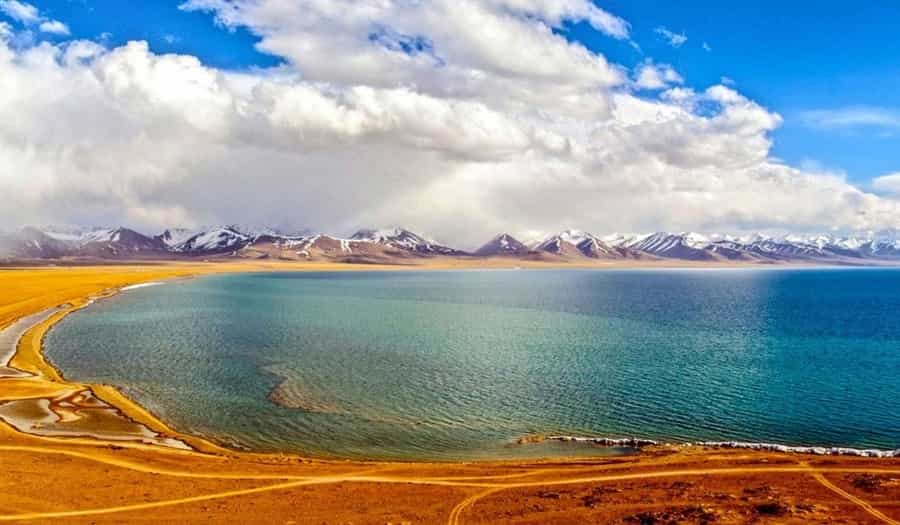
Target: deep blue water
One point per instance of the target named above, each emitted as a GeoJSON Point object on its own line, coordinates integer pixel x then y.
{"type": "Point", "coordinates": [460, 364]}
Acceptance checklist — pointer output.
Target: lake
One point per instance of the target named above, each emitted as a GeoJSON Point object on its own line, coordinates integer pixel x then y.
{"type": "Point", "coordinates": [461, 364]}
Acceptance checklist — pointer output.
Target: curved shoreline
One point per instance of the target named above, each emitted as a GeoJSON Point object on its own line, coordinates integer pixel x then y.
{"type": "Point", "coordinates": [29, 357]}
{"type": "Point", "coordinates": [88, 479]}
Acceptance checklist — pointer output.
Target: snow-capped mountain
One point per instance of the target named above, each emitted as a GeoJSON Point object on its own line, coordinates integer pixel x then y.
{"type": "Point", "coordinates": [788, 248]}
{"type": "Point", "coordinates": [404, 240]}
{"type": "Point", "coordinates": [686, 246]}
{"type": "Point", "coordinates": [97, 243]}
{"type": "Point", "coordinates": [175, 236]}
{"type": "Point", "coordinates": [309, 246]}
{"type": "Point", "coordinates": [363, 246]}
{"type": "Point", "coordinates": [119, 242]}
{"type": "Point", "coordinates": [80, 236]}
{"type": "Point", "coordinates": [218, 240]}
{"type": "Point", "coordinates": [579, 243]}
{"type": "Point", "coordinates": [621, 240]}
{"type": "Point", "coordinates": [884, 247]}
{"type": "Point", "coordinates": [72, 234]}
{"type": "Point", "coordinates": [398, 243]}
{"type": "Point", "coordinates": [31, 243]}
{"type": "Point", "coordinates": [699, 247]}
{"type": "Point", "coordinates": [501, 245]}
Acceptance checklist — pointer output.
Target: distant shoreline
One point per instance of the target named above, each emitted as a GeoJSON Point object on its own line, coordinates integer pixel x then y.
{"type": "Point", "coordinates": [220, 263]}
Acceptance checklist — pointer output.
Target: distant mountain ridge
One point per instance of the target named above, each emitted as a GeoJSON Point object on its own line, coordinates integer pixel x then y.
{"type": "Point", "coordinates": [385, 245]}
{"type": "Point", "coordinates": [579, 243]}
{"type": "Point", "coordinates": [503, 244]}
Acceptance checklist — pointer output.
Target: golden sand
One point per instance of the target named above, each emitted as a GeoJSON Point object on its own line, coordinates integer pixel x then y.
{"type": "Point", "coordinates": [96, 480]}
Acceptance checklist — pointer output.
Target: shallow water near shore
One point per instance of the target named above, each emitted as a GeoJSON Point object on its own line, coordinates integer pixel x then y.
{"type": "Point", "coordinates": [461, 364]}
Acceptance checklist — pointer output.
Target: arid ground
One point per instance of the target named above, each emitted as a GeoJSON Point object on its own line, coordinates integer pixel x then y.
{"type": "Point", "coordinates": [83, 470]}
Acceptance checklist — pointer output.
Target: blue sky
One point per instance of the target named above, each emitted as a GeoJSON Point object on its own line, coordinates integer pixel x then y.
{"type": "Point", "coordinates": [165, 27]}
{"type": "Point", "coordinates": [792, 58]}
{"type": "Point", "coordinates": [789, 56]}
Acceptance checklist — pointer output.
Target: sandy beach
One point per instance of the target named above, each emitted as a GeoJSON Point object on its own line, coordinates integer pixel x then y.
{"type": "Point", "coordinates": [86, 453]}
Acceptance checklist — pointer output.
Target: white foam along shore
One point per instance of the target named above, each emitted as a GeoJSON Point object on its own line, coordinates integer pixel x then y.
{"type": "Point", "coordinates": [140, 285]}
{"type": "Point", "coordinates": [771, 447]}
{"type": "Point", "coordinates": [606, 441]}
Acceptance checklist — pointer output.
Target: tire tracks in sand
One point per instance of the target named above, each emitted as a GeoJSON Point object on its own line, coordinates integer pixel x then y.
{"type": "Point", "coordinates": [489, 484]}
{"type": "Point", "coordinates": [866, 506]}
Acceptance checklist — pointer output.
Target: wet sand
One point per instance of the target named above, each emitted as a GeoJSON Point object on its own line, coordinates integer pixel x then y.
{"type": "Point", "coordinates": [85, 453]}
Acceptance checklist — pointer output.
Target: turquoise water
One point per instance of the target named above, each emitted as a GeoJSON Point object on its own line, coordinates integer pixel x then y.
{"type": "Point", "coordinates": [460, 364]}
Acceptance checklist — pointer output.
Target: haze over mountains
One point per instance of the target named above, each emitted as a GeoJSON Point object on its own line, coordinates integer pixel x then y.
{"type": "Point", "coordinates": [398, 244]}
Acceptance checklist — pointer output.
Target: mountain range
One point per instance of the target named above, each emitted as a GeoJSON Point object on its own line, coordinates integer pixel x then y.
{"type": "Point", "coordinates": [390, 245]}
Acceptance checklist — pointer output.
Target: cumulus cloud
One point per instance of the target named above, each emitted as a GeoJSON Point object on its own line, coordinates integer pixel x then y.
{"type": "Point", "coordinates": [20, 11]}
{"type": "Point", "coordinates": [671, 37]}
{"type": "Point", "coordinates": [30, 15]}
{"type": "Point", "coordinates": [459, 119]}
{"type": "Point", "coordinates": [653, 76]}
{"type": "Point", "coordinates": [889, 183]}
{"type": "Point", "coordinates": [55, 27]}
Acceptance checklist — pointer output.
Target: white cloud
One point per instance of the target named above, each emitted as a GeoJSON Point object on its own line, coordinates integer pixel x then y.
{"type": "Point", "coordinates": [55, 27]}
{"type": "Point", "coordinates": [656, 76]}
{"type": "Point", "coordinates": [853, 117]}
{"type": "Point", "coordinates": [707, 47]}
{"type": "Point", "coordinates": [555, 11]}
{"type": "Point", "coordinates": [20, 11]}
{"type": "Point", "coordinates": [459, 119]}
{"type": "Point", "coordinates": [672, 38]}
{"type": "Point", "coordinates": [30, 15]}
{"type": "Point", "coordinates": [889, 183]}
{"type": "Point", "coordinates": [503, 52]}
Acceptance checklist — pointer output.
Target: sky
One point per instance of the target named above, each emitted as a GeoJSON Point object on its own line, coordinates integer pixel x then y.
{"type": "Point", "coordinates": [456, 118]}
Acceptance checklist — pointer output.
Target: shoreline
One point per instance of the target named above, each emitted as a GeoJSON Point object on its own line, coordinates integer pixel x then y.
{"type": "Point", "coordinates": [436, 263]}
{"type": "Point", "coordinates": [93, 480]}
{"type": "Point", "coordinates": [815, 450]}
{"type": "Point", "coordinates": [33, 361]}
{"type": "Point", "coordinates": [30, 359]}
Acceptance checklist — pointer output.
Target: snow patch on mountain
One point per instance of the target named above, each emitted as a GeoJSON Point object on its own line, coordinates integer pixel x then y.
{"type": "Point", "coordinates": [175, 236]}
{"type": "Point", "coordinates": [400, 238]}
{"type": "Point", "coordinates": [217, 240]}
{"type": "Point", "coordinates": [79, 236]}
{"type": "Point", "coordinates": [503, 244]}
